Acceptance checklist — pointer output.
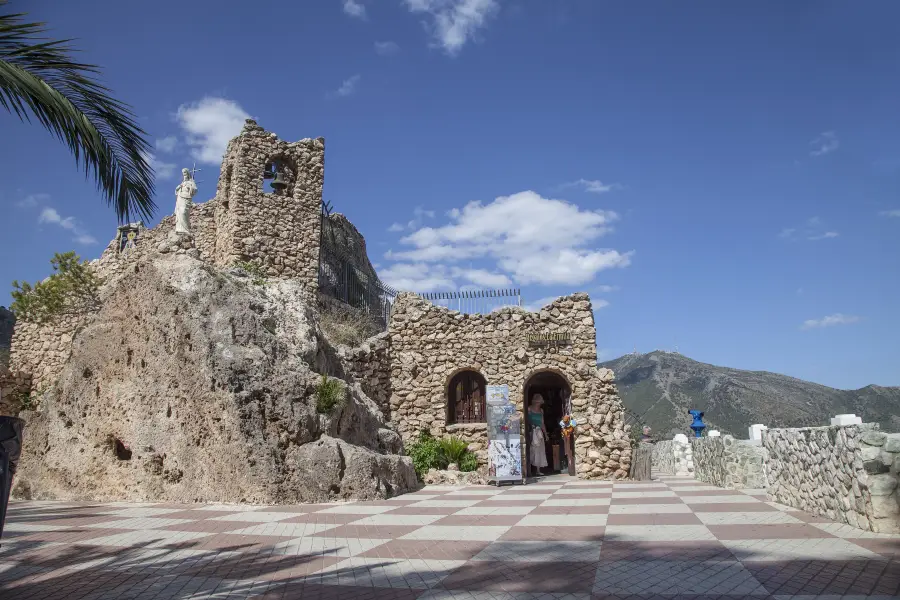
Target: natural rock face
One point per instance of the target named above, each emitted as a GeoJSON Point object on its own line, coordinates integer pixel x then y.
{"type": "Point", "coordinates": [729, 463]}
{"type": "Point", "coordinates": [430, 344]}
{"type": "Point", "coordinates": [848, 474]}
{"type": "Point", "coordinates": [194, 384]}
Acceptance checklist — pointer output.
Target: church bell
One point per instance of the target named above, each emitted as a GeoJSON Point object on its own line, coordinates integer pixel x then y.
{"type": "Point", "coordinates": [279, 183]}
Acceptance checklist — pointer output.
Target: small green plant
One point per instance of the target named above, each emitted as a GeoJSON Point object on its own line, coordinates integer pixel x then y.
{"type": "Point", "coordinates": [454, 449]}
{"type": "Point", "coordinates": [426, 454]}
{"type": "Point", "coordinates": [330, 393]}
{"type": "Point", "coordinates": [26, 399]}
{"type": "Point", "coordinates": [72, 289]}
{"type": "Point", "coordinates": [257, 274]}
{"type": "Point", "coordinates": [469, 462]}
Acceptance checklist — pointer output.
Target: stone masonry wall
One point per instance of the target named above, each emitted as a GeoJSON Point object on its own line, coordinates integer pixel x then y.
{"type": "Point", "coordinates": [370, 366]}
{"type": "Point", "coordinates": [663, 458]}
{"type": "Point", "coordinates": [729, 463]}
{"type": "Point", "coordinates": [846, 473]}
{"type": "Point", "coordinates": [430, 344]}
{"type": "Point", "coordinates": [674, 457]}
{"type": "Point", "coordinates": [278, 231]}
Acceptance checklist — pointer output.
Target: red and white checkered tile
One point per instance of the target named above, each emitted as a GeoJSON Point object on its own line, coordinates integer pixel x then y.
{"type": "Point", "coordinates": [561, 540]}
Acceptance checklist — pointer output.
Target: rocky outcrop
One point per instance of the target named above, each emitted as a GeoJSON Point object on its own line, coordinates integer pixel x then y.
{"type": "Point", "coordinates": [196, 384]}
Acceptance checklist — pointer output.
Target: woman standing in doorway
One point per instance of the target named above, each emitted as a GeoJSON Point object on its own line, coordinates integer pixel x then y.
{"type": "Point", "coordinates": [538, 434]}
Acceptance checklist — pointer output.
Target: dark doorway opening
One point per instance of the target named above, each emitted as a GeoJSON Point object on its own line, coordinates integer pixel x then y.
{"type": "Point", "coordinates": [555, 391]}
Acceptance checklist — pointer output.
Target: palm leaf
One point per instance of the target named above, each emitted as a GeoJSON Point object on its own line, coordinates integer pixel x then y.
{"type": "Point", "coordinates": [38, 79]}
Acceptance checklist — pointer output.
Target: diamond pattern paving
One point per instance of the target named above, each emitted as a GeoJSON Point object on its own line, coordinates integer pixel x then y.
{"type": "Point", "coordinates": [564, 539]}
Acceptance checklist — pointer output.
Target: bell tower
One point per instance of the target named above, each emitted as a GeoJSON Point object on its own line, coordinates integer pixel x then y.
{"type": "Point", "coordinates": [269, 200]}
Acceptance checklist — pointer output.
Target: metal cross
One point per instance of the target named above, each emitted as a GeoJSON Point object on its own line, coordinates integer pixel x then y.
{"type": "Point", "coordinates": [194, 170]}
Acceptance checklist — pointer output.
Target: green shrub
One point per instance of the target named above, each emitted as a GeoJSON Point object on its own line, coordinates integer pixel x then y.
{"type": "Point", "coordinates": [330, 393]}
{"type": "Point", "coordinates": [72, 289]}
{"type": "Point", "coordinates": [256, 273]}
{"type": "Point", "coordinates": [469, 462]}
{"type": "Point", "coordinates": [426, 454]}
{"type": "Point", "coordinates": [454, 449]}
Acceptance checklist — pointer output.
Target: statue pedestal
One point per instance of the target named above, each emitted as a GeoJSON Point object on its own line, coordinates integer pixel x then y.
{"type": "Point", "coordinates": [179, 243]}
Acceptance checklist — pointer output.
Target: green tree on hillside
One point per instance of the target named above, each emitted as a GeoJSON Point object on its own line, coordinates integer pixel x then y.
{"type": "Point", "coordinates": [39, 79]}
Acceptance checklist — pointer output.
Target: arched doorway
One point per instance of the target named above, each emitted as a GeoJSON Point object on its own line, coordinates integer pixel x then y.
{"type": "Point", "coordinates": [555, 391]}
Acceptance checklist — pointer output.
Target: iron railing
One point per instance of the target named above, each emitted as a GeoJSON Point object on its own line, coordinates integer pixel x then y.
{"type": "Point", "coordinates": [476, 301]}
{"type": "Point", "coordinates": [341, 278]}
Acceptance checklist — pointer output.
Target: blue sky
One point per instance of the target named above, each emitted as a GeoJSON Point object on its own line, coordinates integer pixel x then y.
{"type": "Point", "coordinates": [722, 177]}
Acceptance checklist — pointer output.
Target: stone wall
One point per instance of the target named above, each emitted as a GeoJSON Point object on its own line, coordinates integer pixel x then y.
{"type": "Point", "coordinates": [280, 230]}
{"type": "Point", "coordinates": [729, 463]}
{"type": "Point", "coordinates": [848, 474]}
{"type": "Point", "coordinates": [369, 365]}
{"type": "Point", "coordinates": [674, 457]}
{"type": "Point", "coordinates": [430, 344]}
{"type": "Point", "coordinates": [39, 352]}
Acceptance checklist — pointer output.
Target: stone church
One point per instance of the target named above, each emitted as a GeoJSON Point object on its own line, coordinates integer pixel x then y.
{"type": "Point", "coordinates": [430, 368]}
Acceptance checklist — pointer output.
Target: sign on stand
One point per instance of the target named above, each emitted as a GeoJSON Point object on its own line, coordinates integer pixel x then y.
{"type": "Point", "coordinates": [504, 436]}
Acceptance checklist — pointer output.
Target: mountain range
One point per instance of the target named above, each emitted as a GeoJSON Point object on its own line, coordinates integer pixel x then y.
{"type": "Point", "coordinates": [660, 387]}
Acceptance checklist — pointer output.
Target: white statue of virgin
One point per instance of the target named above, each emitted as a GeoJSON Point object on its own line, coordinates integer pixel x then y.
{"type": "Point", "coordinates": [183, 195]}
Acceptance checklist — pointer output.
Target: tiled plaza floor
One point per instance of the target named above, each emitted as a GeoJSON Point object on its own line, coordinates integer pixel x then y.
{"type": "Point", "coordinates": [560, 540]}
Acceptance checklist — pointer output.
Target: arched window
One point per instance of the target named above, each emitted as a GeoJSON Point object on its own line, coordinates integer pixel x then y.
{"type": "Point", "coordinates": [465, 398]}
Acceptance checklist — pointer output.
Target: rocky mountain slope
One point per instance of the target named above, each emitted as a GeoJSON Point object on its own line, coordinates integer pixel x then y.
{"type": "Point", "coordinates": [660, 387]}
{"type": "Point", "coordinates": [194, 383]}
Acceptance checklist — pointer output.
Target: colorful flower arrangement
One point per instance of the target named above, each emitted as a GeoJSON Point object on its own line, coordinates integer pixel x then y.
{"type": "Point", "coordinates": [568, 425]}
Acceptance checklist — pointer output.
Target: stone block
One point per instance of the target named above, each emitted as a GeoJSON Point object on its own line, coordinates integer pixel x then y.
{"type": "Point", "coordinates": [882, 484]}
{"type": "Point", "coordinates": [892, 443]}
{"type": "Point", "coordinates": [842, 420]}
{"type": "Point", "coordinates": [873, 438]}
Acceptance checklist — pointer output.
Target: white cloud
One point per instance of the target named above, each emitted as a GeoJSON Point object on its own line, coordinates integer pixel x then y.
{"type": "Point", "coordinates": [51, 215]}
{"type": "Point", "coordinates": [209, 125]}
{"type": "Point", "coordinates": [386, 48]}
{"type": "Point", "coordinates": [418, 277]}
{"type": "Point", "coordinates": [529, 238]}
{"type": "Point", "coordinates": [812, 230]}
{"type": "Point", "coordinates": [348, 86]}
{"type": "Point", "coordinates": [167, 144]}
{"type": "Point", "coordinates": [354, 8]}
{"type": "Point", "coordinates": [825, 143]}
{"type": "Point", "coordinates": [593, 186]}
{"type": "Point", "coordinates": [32, 200]}
{"type": "Point", "coordinates": [419, 215]}
{"type": "Point", "coordinates": [163, 170]}
{"type": "Point", "coordinates": [483, 278]}
{"type": "Point", "coordinates": [829, 321]}
{"type": "Point", "coordinates": [395, 227]}
{"type": "Point", "coordinates": [890, 213]}
{"type": "Point", "coordinates": [453, 22]}
{"type": "Point", "coordinates": [604, 289]}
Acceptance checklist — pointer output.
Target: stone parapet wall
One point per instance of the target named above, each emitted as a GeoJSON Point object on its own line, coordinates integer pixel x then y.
{"type": "Point", "coordinates": [846, 473]}
{"type": "Point", "coordinates": [430, 344]}
{"type": "Point", "coordinates": [663, 458]}
{"type": "Point", "coordinates": [729, 463]}
{"type": "Point", "coordinates": [674, 457]}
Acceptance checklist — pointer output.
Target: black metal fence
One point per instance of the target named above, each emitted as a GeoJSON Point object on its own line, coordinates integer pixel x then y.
{"type": "Point", "coordinates": [341, 277]}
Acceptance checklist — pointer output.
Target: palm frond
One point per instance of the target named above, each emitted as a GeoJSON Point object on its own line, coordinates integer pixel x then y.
{"type": "Point", "coordinates": [37, 78]}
